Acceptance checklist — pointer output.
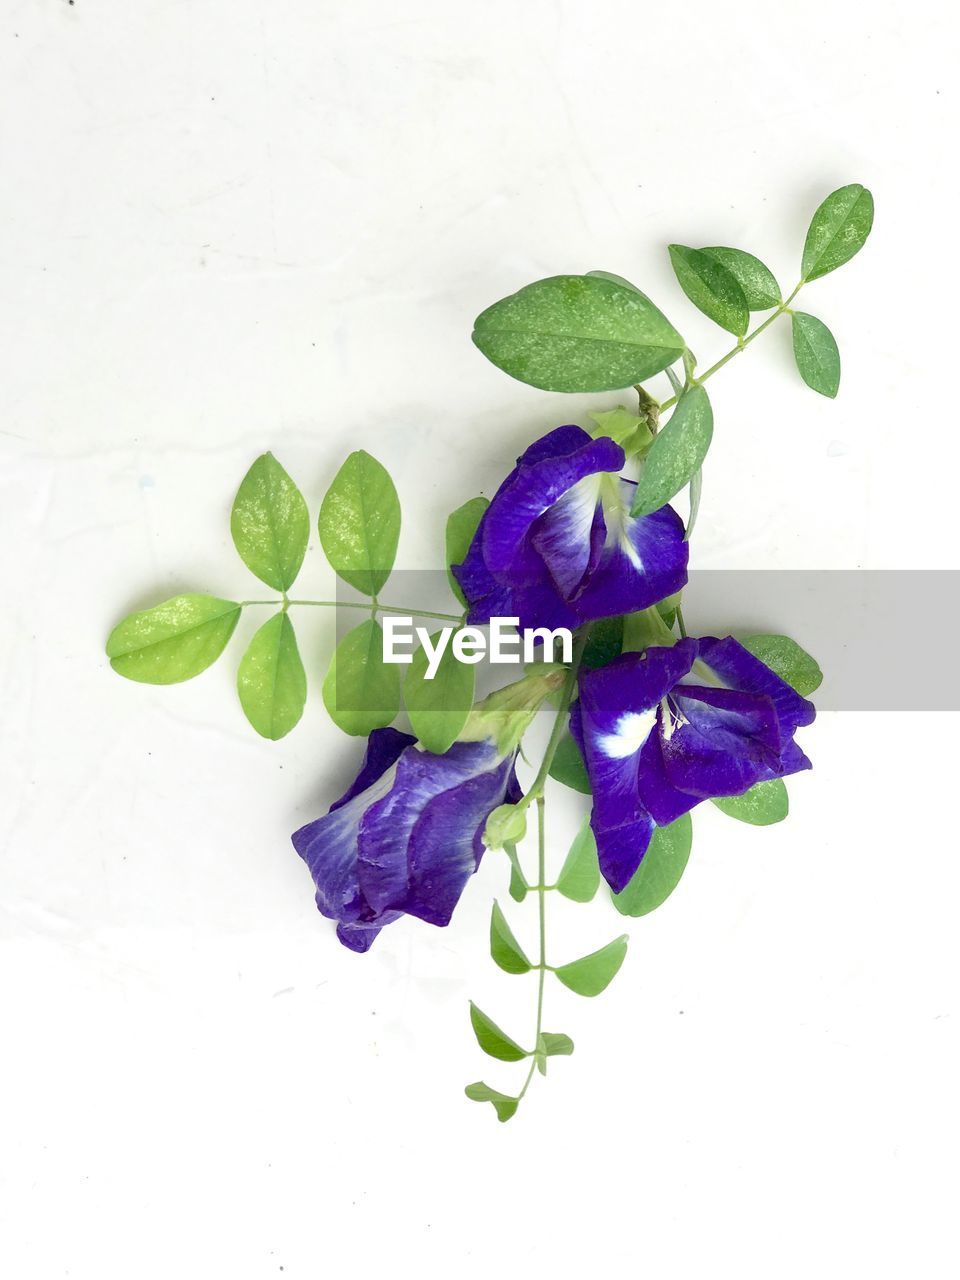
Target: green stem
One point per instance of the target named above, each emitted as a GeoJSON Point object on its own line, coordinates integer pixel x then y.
{"type": "Point", "coordinates": [542, 912]}
{"type": "Point", "coordinates": [560, 723]}
{"type": "Point", "coordinates": [376, 605]}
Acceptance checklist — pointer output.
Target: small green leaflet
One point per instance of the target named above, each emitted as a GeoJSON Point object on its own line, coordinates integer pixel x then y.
{"type": "Point", "coordinates": [677, 452]}
{"type": "Point", "coordinates": [816, 354]}
{"type": "Point", "coordinates": [360, 523]}
{"type": "Point", "coordinates": [579, 876]}
{"type": "Point", "coordinates": [518, 881]}
{"type": "Point", "coordinates": [659, 873]}
{"type": "Point", "coordinates": [555, 1044]}
{"type": "Point", "coordinates": [632, 433]}
{"type": "Point", "coordinates": [578, 333]}
{"type": "Point", "coordinates": [785, 657]}
{"type": "Point", "coordinates": [504, 947]}
{"type": "Point", "coordinates": [438, 708]}
{"type": "Point", "coordinates": [567, 766]}
{"type": "Point", "coordinates": [757, 281]}
{"type": "Point", "coordinates": [604, 643]}
{"type": "Point", "coordinates": [270, 523]}
{"type": "Point", "coordinates": [592, 974]}
{"type": "Point", "coordinates": [764, 804]}
{"type": "Point", "coordinates": [839, 230]}
{"type": "Point", "coordinates": [271, 681]}
{"type": "Point", "coordinates": [711, 287]}
{"type": "Point", "coordinates": [503, 1104]}
{"type": "Point", "coordinates": [360, 691]}
{"type": "Point", "coordinates": [461, 527]}
{"type": "Point", "coordinates": [492, 1040]}
{"type": "Point", "coordinates": [173, 641]}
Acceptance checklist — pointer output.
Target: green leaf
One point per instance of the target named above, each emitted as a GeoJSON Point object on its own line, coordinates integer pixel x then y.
{"type": "Point", "coordinates": [556, 1044]}
{"type": "Point", "coordinates": [785, 657]}
{"type": "Point", "coordinates": [492, 1040]}
{"type": "Point", "coordinates": [592, 974]}
{"type": "Point", "coordinates": [580, 874]}
{"type": "Point", "coordinates": [660, 871]}
{"type": "Point", "coordinates": [816, 354]}
{"type": "Point", "coordinates": [757, 281]}
{"type": "Point", "coordinates": [677, 452]}
{"type": "Point", "coordinates": [461, 527]}
{"type": "Point", "coordinates": [504, 947]}
{"type": "Point", "coordinates": [271, 681]}
{"type": "Point", "coordinates": [270, 523]}
{"type": "Point", "coordinates": [577, 333]}
{"type": "Point", "coordinates": [438, 708]}
{"type": "Point", "coordinates": [360, 523]}
{"type": "Point", "coordinates": [518, 881]}
{"type": "Point", "coordinates": [360, 691]}
{"type": "Point", "coordinates": [620, 280]}
{"type": "Point", "coordinates": [604, 643]}
{"type": "Point", "coordinates": [173, 641]}
{"type": "Point", "coordinates": [567, 766]}
{"type": "Point", "coordinates": [503, 1104]}
{"type": "Point", "coordinates": [764, 804]}
{"type": "Point", "coordinates": [711, 287]}
{"type": "Point", "coordinates": [839, 230]}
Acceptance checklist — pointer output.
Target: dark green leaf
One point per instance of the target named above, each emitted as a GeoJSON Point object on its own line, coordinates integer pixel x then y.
{"type": "Point", "coordinates": [677, 452]}
{"type": "Point", "coordinates": [173, 641]}
{"type": "Point", "coordinates": [461, 527]}
{"type": "Point", "coordinates": [579, 876]}
{"type": "Point", "coordinates": [438, 708]}
{"type": "Point", "coordinates": [360, 523]}
{"type": "Point", "coordinates": [492, 1040]}
{"type": "Point", "coordinates": [567, 766]}
{"type": "Point", "coordinates": [611, 275]}
{"type": "Point", "coordinates": [788, 660]}
{"type": "Point", "coordinates": [577, 333]}
{"type": "Point", "coordinates": [361, 692]}
{"type": "Point", "coordinates": [816, 354]}
{"type": "Point", "coordinates": [592, 974]}
{"type": "Point", "coordinates": [712, 288]}
{"type": "Point", "coordinates": [504, 947]}
{"type": "Point", "coordinates": [761, 806]}
{"type": "Point", "coordinates": [271, 681]}
{"type": "Point", "coordinates": [518, 881]}
{"type": "Point", "coordinates": [604, 643]}
{"type": "Point", "coordinates": [757, 281]}
{"type": "Point", "coordinates": [839, 230]}
{"type": "Point", "coordinates": [660, 871]}
{"type": "Point", "coordinates": [270, 523]}
{"type": "Point", "coordinates": [503, 1104]}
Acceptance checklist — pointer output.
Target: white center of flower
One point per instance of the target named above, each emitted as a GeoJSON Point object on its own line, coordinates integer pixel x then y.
{"type": "Point", "coordinates": [631, 732]}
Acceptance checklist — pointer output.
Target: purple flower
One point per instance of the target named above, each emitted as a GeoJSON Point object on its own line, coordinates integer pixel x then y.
{"type": "Point", "coordinates": [662, 730]}
{"type": "Point", "coordinates": [406, 836]}
{"type": "Point", "coordinates": [558, 547]}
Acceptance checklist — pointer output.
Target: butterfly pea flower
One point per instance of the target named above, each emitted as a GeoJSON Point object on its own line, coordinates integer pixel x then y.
{"type": "Point", "coordinates": [662, 730]}
{"type": "Point", "coordinates": [558, 547]}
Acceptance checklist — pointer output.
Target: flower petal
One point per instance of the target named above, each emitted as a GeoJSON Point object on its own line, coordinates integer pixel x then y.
{"type": "Point", "coordinates": [739, 669]}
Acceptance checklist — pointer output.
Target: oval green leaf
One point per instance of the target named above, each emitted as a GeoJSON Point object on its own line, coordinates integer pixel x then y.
{"type": "Point", "coordinates": [173, 641]}
{"type": "Point", "coordinates": [503, 1104]}
{"type": "Point", "coordinates": [438, 708]}
{"type": "Point", "coordinates": [711, 288]}
{"type": "Point", "coordinates": [270, 523]}
{"type": "Point", "coordinates": [567, 766]}
{"type": "Point", "coordinates": [518, 881]}
{"type": "Point", "coordinates": [504, 947]}
{"type": "Point", "coordinates": [838, 230]}
{"type": "Point", "coordinates": [555, 1044]}
{"type": "Point", "coordinates": [676, 454]}
{"type": "Point", "coordinates": [271, 681]}
{"type": "Point", "coordinates": [757, 281]}
{"type": "Point", "coordinates": [785, 657]}
{"type": "Point", "coordinates": [761, 806]}
{"type": "Point", "coordinates": [360, 523]}
{"type": "Point", "coordinates": [492, 1040]}
{"type": "Point", "coordinates": [659, 873]}
{"type": "Point", "coordinates": [815, 351]}
{"type": "Point", "coordinates": [579, 876]}
{"type": "Point", "coordinates": [360, 691]}
{"type": "Point", "coordinates": [592, 974]}
{"type": "Point", "coordinates": [577, 333]}
{"type": "Point", "coordinates": [461, 527]}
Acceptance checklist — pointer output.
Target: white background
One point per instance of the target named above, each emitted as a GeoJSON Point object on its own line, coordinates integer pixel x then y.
{"type": "Point", "coordinates": [227, 226]}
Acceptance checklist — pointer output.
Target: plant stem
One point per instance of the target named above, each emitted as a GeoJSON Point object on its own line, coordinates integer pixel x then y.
{"type": "Point", "coordinates": [560, 723]}
{"type": "Point", "coordinates": [542, 905]}
{"type": "Point", "coordinates": [376, 607]}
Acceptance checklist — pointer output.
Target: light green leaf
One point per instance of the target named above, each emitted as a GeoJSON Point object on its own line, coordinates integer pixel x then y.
{"type": "Point", "coordinates": [438, 708]}
{"type": "Point", "coordinates": [360, 523]}
{"type": "Point", "coordinates": [173, 641]}
{"type": "Point", "coordinates": [556, 1044]}
{"type": "Point", "coordinates": [677, 452]}
{"type": "Point", "coordinates": [567, 766]}
{"type": "Point", "coordinates": [816, 354]}
{"type": "Point", "coordinates": [503, 1104]}
{"type": "Point", "coordinates": [764, 804]}
{"type": "Point", "coordinates": [461, 527]}
{"type": "Point", "coordinates": [270, 523]}
{"type": "Point", "coordinates": [632, 433]}
{"type": "Point", "coordinates": [580, 874]}
{"type": "Point", "coordinates": [839, 230]}
{"type": "Point", "coordinates": [592, 974]}
{"type": "Point", "coordinates": [518, 881]}
{"type": "Point", "coordinates": [271, 681]}
{"type": "Point", "coordinates": [504, 947]}
{"type": "Point", "coordinates": [711, 287]}
{"type": "Point", "coordinates": [492, 1040]}
{"type": "Point", "coordinates": [659, 873]}
{"type": "Point", "coordinates": [360, 691]}
{"type": "Point", "coordinates": [757, 281]}
{"type": "Point", "coordinates": [577, 333]}
{"type": "Point", "coordinates": [785, 657]}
